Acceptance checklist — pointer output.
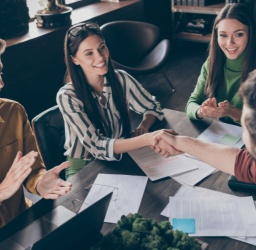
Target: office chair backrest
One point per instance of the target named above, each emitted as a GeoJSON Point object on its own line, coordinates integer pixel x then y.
{"type": "Point", "coordinates": [136, 47]}
{"type": "Point", "coordinates": [129, 41]}
{"type": "Point", "coordinates": [49, 131]}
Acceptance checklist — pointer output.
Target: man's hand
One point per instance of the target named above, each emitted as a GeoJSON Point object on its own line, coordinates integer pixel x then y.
{"type": "Point", "coordinates": [18, 172]}
{"type": "Point", "coordinates": [51, 186]}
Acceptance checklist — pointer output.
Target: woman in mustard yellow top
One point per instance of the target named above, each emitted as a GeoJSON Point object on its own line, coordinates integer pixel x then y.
{"type": "Point", "coordinates": [20, 163]}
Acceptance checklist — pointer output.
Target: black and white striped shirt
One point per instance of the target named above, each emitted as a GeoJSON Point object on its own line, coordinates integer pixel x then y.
{"type": "Point", "coordinates": [82, 136]}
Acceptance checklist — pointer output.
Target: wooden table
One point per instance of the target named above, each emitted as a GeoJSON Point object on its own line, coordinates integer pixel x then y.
{"type": "Point", "coordinates": [156, 194]}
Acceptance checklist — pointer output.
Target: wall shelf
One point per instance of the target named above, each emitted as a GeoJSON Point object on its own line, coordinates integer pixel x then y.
{"type": "Point", "coordinates": [182, 14]}
{"type": "Point", "coordinates": [193, 37]}
{"type": "Point", "coordinates": [210, 9]}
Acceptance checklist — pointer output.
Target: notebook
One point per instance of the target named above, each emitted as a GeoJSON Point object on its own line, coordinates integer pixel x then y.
{"type": "Point", "coordinates": [61, 229]}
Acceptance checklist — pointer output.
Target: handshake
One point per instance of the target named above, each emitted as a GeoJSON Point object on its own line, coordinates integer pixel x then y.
{"type": "Point", "coordinates": [165, 143]}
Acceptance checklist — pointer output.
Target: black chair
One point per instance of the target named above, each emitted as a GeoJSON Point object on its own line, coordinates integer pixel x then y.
{"type": "Point", "coordinates": [136, 47]}
{"type": "Point", "coordinates": [48, 127]}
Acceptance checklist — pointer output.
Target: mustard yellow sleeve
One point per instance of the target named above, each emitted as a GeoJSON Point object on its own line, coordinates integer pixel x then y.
{"type": "Point", "coordinates": [29, 144]}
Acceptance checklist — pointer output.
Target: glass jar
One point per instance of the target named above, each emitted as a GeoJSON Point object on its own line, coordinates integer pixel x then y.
{"type": "Point", "coordinates": [54, 14]}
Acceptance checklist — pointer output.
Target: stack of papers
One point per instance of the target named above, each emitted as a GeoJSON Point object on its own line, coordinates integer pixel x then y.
{"type": "Point", "coordinates": [157, 167]}
{"type": "Point", "coordinates": [223, 133]}
{"type": "Point", "coordinates": [192, 178]}
{"type": "Point", "coordinates": [204, 212]}
{"type": "Point", "coordinates": [186, 169]}
{"type": "Point", "coordinates": [217, 132]}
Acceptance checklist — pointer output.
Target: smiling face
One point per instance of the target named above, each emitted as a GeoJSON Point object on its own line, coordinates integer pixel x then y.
{"type": "Point", "coordinates": [232, 37]}
{"type": "Point", "coordinates": [93, 56]}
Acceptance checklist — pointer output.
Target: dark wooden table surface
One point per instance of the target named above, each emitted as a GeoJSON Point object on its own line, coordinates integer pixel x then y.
{"type": "Point", "coordinates": [156, 194]}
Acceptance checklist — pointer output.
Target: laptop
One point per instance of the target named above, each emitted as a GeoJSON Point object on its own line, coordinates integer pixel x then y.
{"type": "Point", "coordinates": [62, 229]}
{"type": "Point", "coordinates": [38, 229]}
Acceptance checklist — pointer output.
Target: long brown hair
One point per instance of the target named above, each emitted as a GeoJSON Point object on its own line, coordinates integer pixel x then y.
{"type": "Point", "coordinates": [82, 88]}
{"type": "Point", "coordinates": [217, 59]}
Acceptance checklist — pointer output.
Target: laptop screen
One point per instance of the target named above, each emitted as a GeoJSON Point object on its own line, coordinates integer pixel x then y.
{"type": "Point", "coordinates": [61, 229]}
{"type": "Point", "coordinates": [38, 229]}
{"type": "Point", "coordinates": [80, 232]}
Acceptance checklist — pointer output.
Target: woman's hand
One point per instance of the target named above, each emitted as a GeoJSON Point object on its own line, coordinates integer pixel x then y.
{"type": "Point", "coordinates": [207, 108]}
{"type": "Point", "coordinates": [139, 131]}
{"type": "Point", "coordinates": [211, 109]}
{"type": "Point", "coordinates": [146, 123]}
{"type": "Point", "coordinates": [230, 110]}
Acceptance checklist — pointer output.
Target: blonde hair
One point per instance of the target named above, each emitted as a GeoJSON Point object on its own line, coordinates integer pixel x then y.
{"type": "Point", "coordinates": [2, 46]}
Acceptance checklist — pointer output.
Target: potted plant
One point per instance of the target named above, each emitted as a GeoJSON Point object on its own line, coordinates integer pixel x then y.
{"type": "Point", "coordinates": [53, 14]}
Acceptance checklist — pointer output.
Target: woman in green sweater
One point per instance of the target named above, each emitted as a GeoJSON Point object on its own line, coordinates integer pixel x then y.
{"type": "Point", "coordinates": [232, 55]}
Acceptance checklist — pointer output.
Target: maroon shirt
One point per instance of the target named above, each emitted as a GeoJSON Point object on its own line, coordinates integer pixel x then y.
{"type": "Point", "coordinates": [245, 167]}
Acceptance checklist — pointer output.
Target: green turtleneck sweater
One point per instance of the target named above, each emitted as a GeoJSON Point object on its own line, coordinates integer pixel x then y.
{"type": "Point", "coordinates": [229, 92]}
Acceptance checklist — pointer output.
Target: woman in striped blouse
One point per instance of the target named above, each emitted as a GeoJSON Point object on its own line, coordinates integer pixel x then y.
{"type": "Point", "coordinates": [95, 102]}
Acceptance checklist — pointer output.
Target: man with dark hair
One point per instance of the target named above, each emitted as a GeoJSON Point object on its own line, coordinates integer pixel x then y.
{"type": "Point", "coordinates": [248, 94]}
{"type": "Point", "coordinates": [238, 162]}
{"type": "Point", "coordinates": [20, 163]}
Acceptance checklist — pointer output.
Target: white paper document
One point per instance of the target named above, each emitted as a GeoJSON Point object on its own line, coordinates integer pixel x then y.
{"type": "Point", "coordinates": [188, 191]}
{"type": "Point", "coordinates": [217, 132]}
{"type": "Point", "coordinates": [127, 191]}
{"type": "Point", "coordinates": [241, 210]}
{"type": "Point", "coordinates": [193, 177]}
{"type": "Point", "coordinates": [157, 167]}
{"type": "Point", "coordinates": [217, 216]}
{"type": "Point", "coordinates": [223, 133]}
